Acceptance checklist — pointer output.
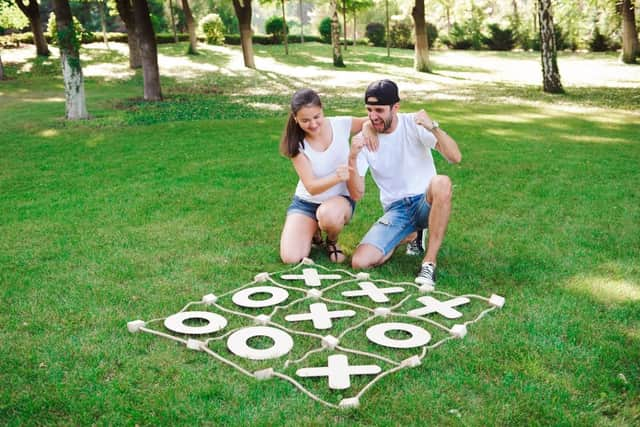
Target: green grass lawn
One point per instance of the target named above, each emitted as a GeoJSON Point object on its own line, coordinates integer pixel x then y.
{"type": "Point", "coordinates": [149, 206]}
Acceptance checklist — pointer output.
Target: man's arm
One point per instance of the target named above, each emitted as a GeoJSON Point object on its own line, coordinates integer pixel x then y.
{"type": "Point", "coordinates": [446, 145]}
{"type": "Point", "coordinates": [355, 183]}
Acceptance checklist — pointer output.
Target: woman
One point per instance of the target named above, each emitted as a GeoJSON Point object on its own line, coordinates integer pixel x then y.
{"type": "Point", "coordinates": [318, 148]}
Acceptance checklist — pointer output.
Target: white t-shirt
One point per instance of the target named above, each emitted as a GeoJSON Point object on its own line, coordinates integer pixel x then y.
{"type": "Point", "coordinates": [402, 166]}
{"type": "Point", "coordinates": [324, 163]}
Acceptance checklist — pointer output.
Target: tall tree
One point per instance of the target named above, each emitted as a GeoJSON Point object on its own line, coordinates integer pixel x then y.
{"type": "Point", "coordinates": [421, 50]}
{"type": "Point", "coordinates": [629, 33]}
{"type": "Point", "coordinates": [550, 73]}
{"type": "Point", "coordinates": [301, 22]}
{"type": "Point", "coordinates": [125, 10]}
{"type": "Point", "coordinates": [69, 42]}
{"type": "Point", "coordinates": [285, 29]}
{"type": "Point", "coordinates": [191, 27]}
{"type": "Point", "coordinates": [335, 35]}
{"type": "Point", "coordinates": [148, 51]}
{"type": "Point", "coordinates": [102, 5]}
{"type": "Point", "coordinates": [243, 12]}
{"type": "Point", "coordinates": [1, 69]}
{"type": "Point", "coordinates": [32, 12]}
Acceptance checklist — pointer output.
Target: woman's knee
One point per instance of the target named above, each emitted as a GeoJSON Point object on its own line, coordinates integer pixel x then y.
{"type": "Point", "coordinates": [330, 218]}
{"type": "Point", "coordinates": [291, 257]}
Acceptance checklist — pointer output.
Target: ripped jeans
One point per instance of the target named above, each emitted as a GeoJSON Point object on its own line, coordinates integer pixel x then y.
{"type": "Point", "coordinates": [400, 219]}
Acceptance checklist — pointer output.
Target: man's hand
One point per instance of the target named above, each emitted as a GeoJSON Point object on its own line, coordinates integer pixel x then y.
{"type": "Point", "coordinates": [423, 119]}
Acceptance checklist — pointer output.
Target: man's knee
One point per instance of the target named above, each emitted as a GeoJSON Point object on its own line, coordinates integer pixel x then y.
{"type": "Point", "coordinates": [441, 187]}
{"type": "Point", "coordinates": [291, 256]}
{"type": "Point", "coordinates": [364, 257]}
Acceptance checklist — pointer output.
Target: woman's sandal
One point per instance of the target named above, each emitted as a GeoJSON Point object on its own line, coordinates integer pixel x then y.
{"type": "Point", "coordinates": [335, 254]}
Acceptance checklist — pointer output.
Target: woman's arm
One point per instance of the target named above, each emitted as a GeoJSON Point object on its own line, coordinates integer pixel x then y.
{"type": "Point", "coordinates": [315, 185]}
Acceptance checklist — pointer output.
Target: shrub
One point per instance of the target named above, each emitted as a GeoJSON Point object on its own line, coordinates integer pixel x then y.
{"type": "Point", "coordinates": [400, 35]}
{"type": "Point", "coordinates": [458, 37]}
{"type": "Point", "coordinates": [83, 35]}
{"type": "Point", "coordinates": [432, 34]}
{"type": "Point", "coordinates": [325, 29]}
{"type": "Point", "coordinates": [500, 39]}
{"type": "Point", "coordinates": [275, 27]}
{"type": "Point", "coordinates": [598, 42]}
{"type": "Point", "coordinates": [375, 32]}
{"type": "Point", "coordinates": [213, 29]}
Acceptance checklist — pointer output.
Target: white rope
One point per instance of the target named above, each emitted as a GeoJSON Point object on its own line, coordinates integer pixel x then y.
{"type": "Point", "coordinates": [364, 353]}
{"type": "Point", "coordinates": [304, 390]}
{"type": "Point", "coordinates": [162, 334]}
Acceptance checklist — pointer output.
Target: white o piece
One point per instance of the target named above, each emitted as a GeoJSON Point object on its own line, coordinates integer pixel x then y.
{"type": "Point", "coordinates": [419, 336]}
{"type": "Point", "coordinates": [175, 322]}
{"type": "Point", "coordinates": [243, 298]}
{"type": "Point", "coordinates": [282, 343]}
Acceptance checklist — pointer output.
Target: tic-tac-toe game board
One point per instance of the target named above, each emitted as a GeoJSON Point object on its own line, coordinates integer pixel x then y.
{"type": "Point", "coordinates": [331, 333]}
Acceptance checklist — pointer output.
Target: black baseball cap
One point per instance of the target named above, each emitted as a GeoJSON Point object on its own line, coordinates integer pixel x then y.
{"type": "Point", "coordinates": [382, 92]}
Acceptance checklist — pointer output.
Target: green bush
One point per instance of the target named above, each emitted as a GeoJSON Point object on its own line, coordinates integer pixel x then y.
{"type": "Point", "coordinates": [82, 35]}
{"type": "Point", "coordinates": [432, 34]}
{"type": "Point", "coordinates": [375, 32]}
{"type": "Point", "coordinates": [458, 37]}
{"type": "Point", "coordinates": [599, 42]}
{"type": "Point", "coordinates": [275, 27]}
{"type": "Point", "coordinates": [213, 29]}
{"type": "Point", "coordinates": [500, 39]}
{"type": "Point", "coordinates": [400, 35]}
{"type": "Point", "coordinates": [325, 29]}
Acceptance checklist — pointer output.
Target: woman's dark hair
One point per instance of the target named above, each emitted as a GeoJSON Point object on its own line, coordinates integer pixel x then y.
{"type": "Point", "coordinates": [293, 136]}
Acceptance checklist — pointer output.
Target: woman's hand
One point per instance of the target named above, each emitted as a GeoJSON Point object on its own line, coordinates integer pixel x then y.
{"type": "Point", "coordinates": [342, 172]}
{"type": "Point", "coordinates": [370, 137]}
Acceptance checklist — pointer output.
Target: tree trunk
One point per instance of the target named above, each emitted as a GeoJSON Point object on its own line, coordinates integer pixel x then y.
{"type": "Point", "coordinates": [629, 33]}
{"type": "Point", "coordinates": [243, 13]}
{"type": "Point", "coordinates": [32, 12]}
{"type": "Point", "coordinates": [344, 22]}
{"type": "Point", "coordinates": [286, 31]}
{"type": "Point", "coordinates": [550, 73]}
{"type": "Point", "coordinates": [173, 21]}
{"type": "Point", "coordinates": [301, 23]}
{"type": "Point", "coordinates": [103, 21]}
{"type": "Point", "coordinates": [386, 28]}
{"type": "Point", "coordinates": [335, 34]}
{"type": "Point", "coordinates": [148, 51]}
{"type": "Point", "coordinates": [76, 106]}
{"type": "Point", "coordinates": [1, 69]}
{"type": "Point", "coordinates": [125, 9]}
{"type": "Point", "coordinates": [421, 57]}
{"type": "Point", "coordinates": [355, 34]}
{"type": "Point", "coordinates": [191, 27]}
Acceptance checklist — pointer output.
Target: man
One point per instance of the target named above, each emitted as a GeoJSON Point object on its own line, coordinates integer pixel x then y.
{"type": "Point", "coordinates": [413, 196]}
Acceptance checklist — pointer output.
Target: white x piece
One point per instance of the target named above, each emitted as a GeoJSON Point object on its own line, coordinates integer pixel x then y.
{"type": "Point", "coordinates": [311, 277]}
{"type": "Point", "coordinates": [372, 291]}
{"type": "Point", "coordinates": [445, 308]}
{"type": "Point", "coordinates": [243, 299]}
{"type": "Point", "coordinates": [339, 371]}
{"type": "Point", "coordinates": [320, 316]}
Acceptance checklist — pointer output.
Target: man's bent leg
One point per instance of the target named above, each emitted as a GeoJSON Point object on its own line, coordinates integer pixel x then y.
{"type": "Point", "coordinates": [439, 197]}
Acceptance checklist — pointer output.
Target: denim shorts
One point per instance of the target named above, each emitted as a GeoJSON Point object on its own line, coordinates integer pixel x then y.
{"type": "Point", "coordinates": [401, 218]}
{"type": "Point", "coordinates": [309, 209]}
